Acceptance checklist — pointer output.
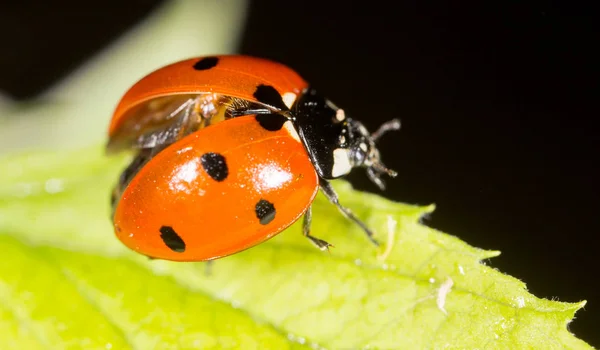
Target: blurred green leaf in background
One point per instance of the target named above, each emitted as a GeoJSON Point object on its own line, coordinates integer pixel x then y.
{"type": "Point", "coordinates": [77, 111]}
{"type": "Point", "coordinates": [66, 281]}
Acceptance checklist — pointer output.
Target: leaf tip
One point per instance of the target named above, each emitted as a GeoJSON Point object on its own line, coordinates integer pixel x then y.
{"type": "Point", "coordinates": [488, 254]}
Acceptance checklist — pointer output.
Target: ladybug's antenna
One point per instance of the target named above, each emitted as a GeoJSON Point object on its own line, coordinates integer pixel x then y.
{"type": "Point", "coordinates": [377, 168]}
{"type": "Point", "coordinates": [390, 125]}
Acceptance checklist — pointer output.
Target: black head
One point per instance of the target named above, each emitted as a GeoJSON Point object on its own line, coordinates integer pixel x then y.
{"type": "Point", "coordinates": [336, 143]}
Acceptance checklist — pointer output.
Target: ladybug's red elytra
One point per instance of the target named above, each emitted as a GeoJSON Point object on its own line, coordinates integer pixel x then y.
{"type": "Point", "coordinates": [230, 150]}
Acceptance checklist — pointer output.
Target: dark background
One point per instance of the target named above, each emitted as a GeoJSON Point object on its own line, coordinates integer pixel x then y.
{"type": "Point", "coordinates": [495, 100]}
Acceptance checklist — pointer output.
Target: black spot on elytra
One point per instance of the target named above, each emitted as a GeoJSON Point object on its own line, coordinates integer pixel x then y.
{"type": "Point", "coordinates": [172, 239]}
{"type": "Point", "coordinates": [272, 121]}
{"type": "Point", "coordinates": [268, 95]}
{"type": "Point", "coordinates": [206, 63]}
{"type": "Point", "coordinates": [215, 166]}
{"type": "Point", "coordinates": [265, 211]}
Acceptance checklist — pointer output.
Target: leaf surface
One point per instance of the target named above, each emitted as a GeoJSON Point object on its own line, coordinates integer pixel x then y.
{"type": "Point", "coordinates": [67, 282]}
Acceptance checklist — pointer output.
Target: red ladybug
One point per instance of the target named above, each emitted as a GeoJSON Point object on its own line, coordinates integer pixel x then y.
{"type": "Point", "coordinates": [231, 150]}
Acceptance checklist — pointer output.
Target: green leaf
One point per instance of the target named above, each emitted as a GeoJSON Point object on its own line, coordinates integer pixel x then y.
{"type": "Point", "coordinates": [67, 282]}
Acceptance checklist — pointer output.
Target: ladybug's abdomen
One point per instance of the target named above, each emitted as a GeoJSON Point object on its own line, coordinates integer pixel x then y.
{"type": "Point", "coordinates": [217, 191]}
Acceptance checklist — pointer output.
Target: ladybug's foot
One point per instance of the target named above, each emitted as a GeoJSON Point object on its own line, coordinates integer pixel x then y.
{"type": "Point", "coordinates": [319, 243]}
{"type": "Point", "coordinates": [329, 192]}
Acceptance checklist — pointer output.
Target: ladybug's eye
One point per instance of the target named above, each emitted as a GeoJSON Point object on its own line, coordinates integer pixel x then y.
{"type": "Point", "coordinates": [359, 154]}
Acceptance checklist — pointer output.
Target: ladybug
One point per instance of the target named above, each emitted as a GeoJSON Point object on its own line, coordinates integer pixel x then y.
{"type": "Point", "coordinates": [229, 151]}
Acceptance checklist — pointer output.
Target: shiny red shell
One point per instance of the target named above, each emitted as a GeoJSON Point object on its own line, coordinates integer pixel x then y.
{"type": "Point", "coordinates": [236, 76]}
{"type": "Point", "coordinates": [223, 188]}
{"type": "Point", "coordinates": [215, 217]}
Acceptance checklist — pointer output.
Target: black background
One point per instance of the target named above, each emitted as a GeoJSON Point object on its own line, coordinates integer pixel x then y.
{"type": "Point", "coordinates": [495, 100]}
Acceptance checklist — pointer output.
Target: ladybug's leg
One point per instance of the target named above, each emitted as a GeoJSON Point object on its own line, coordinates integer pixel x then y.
{"type": "Point", "coordinates": [333, 198]}
{"type": "Point", "coordinates": [319, 243]}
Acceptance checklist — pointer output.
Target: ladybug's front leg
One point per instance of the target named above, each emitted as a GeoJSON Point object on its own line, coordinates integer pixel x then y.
{"type": "Point", "coordinates": [319, 243]}
{"type": "Point", "coordinates": [333, 198]}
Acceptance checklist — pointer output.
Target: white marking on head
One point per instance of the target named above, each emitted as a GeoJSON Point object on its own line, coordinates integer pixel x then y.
{"type": "Point", "coordinates": [363, 146]}
{"type": "Point", "coordinates": [340, 115]}
{"type": "Point", "coordinates": [291, 130]}
{"type": "Point", "coordinates": [342, 139]}
{"type": "Point", "coordinates": [341, 162]}
{"type": "Point", "coordinates": [289, 98]}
